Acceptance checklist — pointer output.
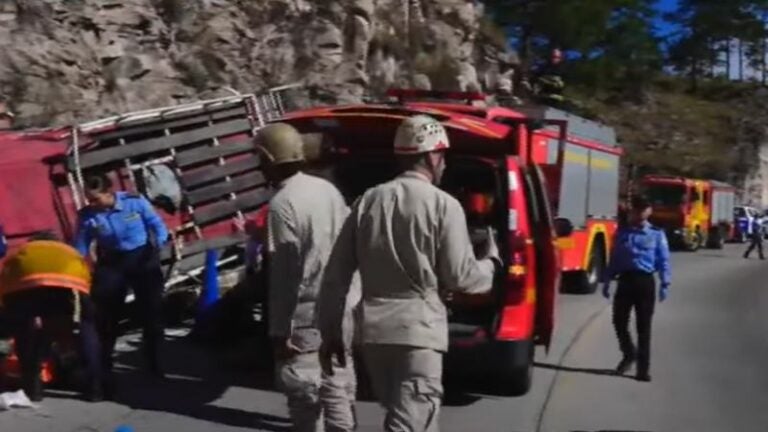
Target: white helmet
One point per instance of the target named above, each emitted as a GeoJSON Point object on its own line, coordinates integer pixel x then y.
{"type": "Point", "coordinates": [420, 134]}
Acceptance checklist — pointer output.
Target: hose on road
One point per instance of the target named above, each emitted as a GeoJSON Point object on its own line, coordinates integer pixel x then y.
{"type": "Point", "coordinates": [579, 333]}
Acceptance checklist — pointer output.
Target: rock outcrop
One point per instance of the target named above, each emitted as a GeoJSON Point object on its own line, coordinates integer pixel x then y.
{"type": "Point", "coordinates": [63, 61]}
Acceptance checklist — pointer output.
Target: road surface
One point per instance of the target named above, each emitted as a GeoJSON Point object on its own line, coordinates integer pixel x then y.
{"type": "Point", "coordinates": [710, 351]}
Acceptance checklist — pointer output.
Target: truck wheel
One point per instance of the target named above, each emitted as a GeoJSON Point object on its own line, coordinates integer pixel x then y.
{"type": "Point", "coordinates": [695, 242]}
{"type": "Point", "coordinates": [716, 239]}
{"type": "Point", "coordinates": [595, 269]}
{"type": "Point", "coordinates": [587, 281]}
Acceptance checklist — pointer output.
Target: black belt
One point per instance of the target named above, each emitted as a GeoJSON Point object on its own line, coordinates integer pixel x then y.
{"type": "Point", "coordinates": [635, 273]}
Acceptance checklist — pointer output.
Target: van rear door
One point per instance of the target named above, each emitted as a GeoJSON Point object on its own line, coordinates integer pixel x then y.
{"type": "Point", "coordinates": [547, 256]}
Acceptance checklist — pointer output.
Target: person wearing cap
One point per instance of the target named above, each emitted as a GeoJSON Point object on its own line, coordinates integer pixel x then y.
{"type": "Point", "coordinates": [410, 242]}
{"type": "Point", "coordinates": [639, 251]}
{"type": "Point", "coordinates": [45, 286]}
{"type": "Point", "coordinates": [305, 215]}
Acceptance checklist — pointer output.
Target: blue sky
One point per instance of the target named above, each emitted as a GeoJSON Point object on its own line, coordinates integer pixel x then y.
{"type": "Point", "coordinates": [665, 6]}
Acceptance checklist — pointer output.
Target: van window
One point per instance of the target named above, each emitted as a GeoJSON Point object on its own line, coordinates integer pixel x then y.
{"type": "Point", "coordinates": [534, 210]}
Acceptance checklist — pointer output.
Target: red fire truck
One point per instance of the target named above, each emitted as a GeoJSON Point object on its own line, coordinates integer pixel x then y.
{"type": "Point", "coordinates": [582, 168]}
{"type": "Point", "coordinates": [510, 168]}
{"type": "Point", "coordinates": [693, 212]}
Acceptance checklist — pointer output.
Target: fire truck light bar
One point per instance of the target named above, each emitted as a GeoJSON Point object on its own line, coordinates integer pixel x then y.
{"type": "Point", "coordinates": [403, 94]}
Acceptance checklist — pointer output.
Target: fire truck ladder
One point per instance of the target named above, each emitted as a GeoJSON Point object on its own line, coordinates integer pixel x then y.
{"type": "Point", "coordinates": [208, 147]}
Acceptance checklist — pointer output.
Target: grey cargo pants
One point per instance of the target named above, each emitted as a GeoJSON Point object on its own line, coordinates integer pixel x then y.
{"type": "Point", "coordinates": [408, 383]}
{"type": "Point", "coordinates": [318, 402]}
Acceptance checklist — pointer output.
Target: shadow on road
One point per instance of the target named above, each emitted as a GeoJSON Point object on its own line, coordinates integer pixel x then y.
{"type": "Point", "coordinates": [602, 372]}
{"type": "Point", "coordinates": [196, 378]}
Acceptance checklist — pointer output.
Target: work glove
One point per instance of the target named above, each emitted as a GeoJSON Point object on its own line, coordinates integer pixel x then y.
{"type": "Point", "coordinates": [607, 290]}
{"type": "Point", "coordinates": [491, 247]}
{"type": "Point", "coordinates": [663, 292]}
{"type": "Point", "coordinates": [284, 349]}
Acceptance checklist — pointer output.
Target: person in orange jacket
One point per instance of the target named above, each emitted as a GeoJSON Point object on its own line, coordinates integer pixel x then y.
{"type": "Point", "coordinates": [43, 285]}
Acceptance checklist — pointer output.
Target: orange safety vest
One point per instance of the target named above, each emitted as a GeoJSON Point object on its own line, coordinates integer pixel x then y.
{"type": "Point", "coordinates": [45, 264]}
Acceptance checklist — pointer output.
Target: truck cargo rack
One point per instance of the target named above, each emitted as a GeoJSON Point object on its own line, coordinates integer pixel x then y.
{"type": "Point", "coordinates": [207, 145]}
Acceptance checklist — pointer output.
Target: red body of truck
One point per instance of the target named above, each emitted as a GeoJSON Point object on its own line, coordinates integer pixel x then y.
{"type": "Point", "coordinates": [195, 162]}
{"type": "Point", "coordinates": [582, 170]}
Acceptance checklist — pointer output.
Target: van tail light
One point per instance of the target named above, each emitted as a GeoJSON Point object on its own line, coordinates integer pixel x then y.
{"type": "Point", "coordinates": [517, 313]}
{"type": "Point", "coordinates": [517, 269]}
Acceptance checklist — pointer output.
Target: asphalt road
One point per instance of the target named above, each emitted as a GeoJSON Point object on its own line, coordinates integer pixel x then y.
{"type": "Point", "coordinates": [710, 351]}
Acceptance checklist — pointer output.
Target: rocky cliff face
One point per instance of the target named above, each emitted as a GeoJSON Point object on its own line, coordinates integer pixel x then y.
{"type": "Point", "coordinates": [67, 60]}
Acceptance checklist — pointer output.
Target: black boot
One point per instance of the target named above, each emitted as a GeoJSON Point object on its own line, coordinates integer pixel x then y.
{"type": "Point", "coordinates": [643, 376]}
{"type": "Point", "coordinates": [33, 387]}
{"type": "Point", "coordinates": [154, 367]}
{"type": "Point", "coordinates": [95, 392]}
{"type": "Point", "coordinates": [109, 386]}
{"type": "Point", "coordinates": [624, 365]}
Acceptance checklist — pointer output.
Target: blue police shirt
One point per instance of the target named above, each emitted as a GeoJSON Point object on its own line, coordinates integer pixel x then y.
{"type": "Point", "coordinates": [124, 227]}
{"type": "Point", "coordinates": [640, 249]}
{"type": "Point", "coordinates": [757, 226]}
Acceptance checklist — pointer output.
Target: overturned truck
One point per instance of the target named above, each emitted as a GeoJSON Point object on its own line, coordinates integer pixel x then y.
{"type": "Point", "coordinates": [194, 162]}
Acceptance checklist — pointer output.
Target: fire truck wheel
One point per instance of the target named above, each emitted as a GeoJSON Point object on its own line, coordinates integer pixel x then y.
{"type": "Point", "coordinates": [695, 243]}
{"type": "Point", "coordinates": [596, 267]}
{"type": "Point", "coordinates": [587, 281]}
{"type": "Point", "coordinates": [717, 239]}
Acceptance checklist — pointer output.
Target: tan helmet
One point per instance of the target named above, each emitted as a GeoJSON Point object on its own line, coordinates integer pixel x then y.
{"type": "Point", "coordinates": [420, 134]}
{"type": "Point", "coordinates": [280, 143]}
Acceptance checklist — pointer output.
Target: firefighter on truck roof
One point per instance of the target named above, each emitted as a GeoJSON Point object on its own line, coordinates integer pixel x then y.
{"type": "Point", "coordinates": [45, 285]}
{"type": "Point", "coordinates": [304, 218]}
{"type": "Point", "coordinates": [409, 240]}
{"type": "Point", "coordinates": [639, 250]}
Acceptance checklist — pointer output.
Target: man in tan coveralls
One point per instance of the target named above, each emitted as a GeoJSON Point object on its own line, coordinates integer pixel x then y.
{"type": "Point", "coordinates": [305, 216]}
{"type": "Point", "coordinates": [410, 241]}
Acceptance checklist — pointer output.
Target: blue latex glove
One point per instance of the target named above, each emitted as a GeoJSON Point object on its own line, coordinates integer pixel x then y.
{"type": "Point", "coordinates": [663, 292]}
{"type": "Point", "coordinates": [607, 291]}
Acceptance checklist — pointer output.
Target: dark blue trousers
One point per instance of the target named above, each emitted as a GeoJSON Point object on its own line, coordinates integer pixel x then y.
{"type": "Point", "coordinates": [115, 273]}
{"type": "Point", "coordinates": [55, 307]}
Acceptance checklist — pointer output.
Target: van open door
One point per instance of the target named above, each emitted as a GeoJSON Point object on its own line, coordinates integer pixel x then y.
{"type": "Point", "coordinates": [548, 258]}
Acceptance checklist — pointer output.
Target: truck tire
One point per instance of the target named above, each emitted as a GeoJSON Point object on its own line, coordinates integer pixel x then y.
{"type": "Point", "coordinates": [596, 268]}
{"type": "Point", "coordinates": [695, 243]}
{"type": "Point", "coordinates": [587, 281]}
{"type": "Point", "coordinates": [716, 239]}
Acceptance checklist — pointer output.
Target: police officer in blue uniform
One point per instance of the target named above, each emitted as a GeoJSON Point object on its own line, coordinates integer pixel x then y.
{"type": "Point", "coordinates": [639, 250]}
{"type": "Point", "coordinates": [756, 238]}
{"type": "Point", "coordinates": [128, 234]}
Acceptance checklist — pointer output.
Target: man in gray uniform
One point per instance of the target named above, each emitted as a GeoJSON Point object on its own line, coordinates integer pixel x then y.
{"type": "Point", "coordinates": [305, 216]}
{"type": "Point", "coordinates": [410, 241]}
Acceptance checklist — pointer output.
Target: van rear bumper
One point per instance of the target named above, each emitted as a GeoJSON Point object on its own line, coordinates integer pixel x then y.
{"type": "Point", "coordinates": [494, 358]}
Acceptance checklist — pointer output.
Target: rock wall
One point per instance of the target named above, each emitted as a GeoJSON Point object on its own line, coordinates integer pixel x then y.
{"type": "Point", "coordinates": [70, 60]}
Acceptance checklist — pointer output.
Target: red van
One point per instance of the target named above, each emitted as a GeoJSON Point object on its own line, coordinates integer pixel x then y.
{"type": "Point", "coordinates": [491, 172]}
